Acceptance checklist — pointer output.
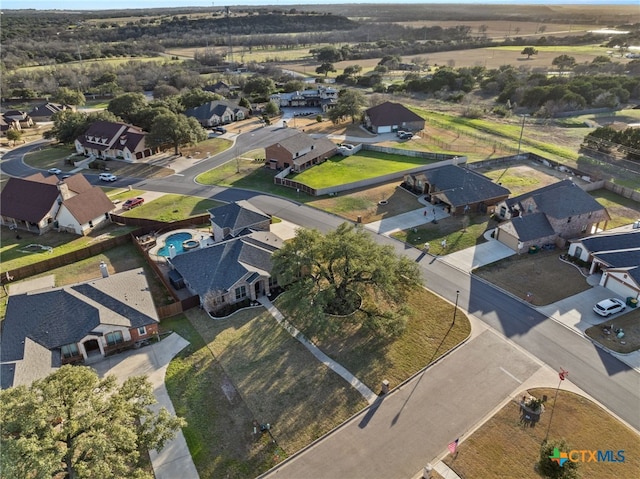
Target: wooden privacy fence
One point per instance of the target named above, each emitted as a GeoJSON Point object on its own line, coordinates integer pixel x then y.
{"type": "Point", "coordinates": [23, 272]}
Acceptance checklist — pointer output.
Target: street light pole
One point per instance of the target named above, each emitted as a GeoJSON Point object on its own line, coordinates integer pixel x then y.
{"type": "Point", "coordinates": [456, 307]}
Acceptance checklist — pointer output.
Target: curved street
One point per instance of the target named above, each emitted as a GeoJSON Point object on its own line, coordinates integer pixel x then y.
{"type": "Point", "coordinates": [511, 343]}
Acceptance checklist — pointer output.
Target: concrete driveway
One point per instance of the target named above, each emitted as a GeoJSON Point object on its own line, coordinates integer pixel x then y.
{"type": "Point", "coordinates": [486, 253]}
{"type": "Point", "coordinates": [174, 461]}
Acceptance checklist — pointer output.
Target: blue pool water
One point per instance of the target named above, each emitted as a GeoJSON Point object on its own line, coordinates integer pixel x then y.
{"type": "Point", "coordinates": [176, 240]}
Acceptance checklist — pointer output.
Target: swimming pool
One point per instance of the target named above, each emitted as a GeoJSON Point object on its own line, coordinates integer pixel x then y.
{"type": "Point", "coordinates": [176, 240]}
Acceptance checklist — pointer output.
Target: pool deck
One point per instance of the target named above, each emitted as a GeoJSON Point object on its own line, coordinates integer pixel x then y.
{"type": "Point", "coordinates": [203, 237]}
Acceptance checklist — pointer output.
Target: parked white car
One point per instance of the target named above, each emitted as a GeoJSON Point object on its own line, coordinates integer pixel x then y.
{"type": "Point", "coordinates": [107, 177]}
{"type": "Point", "coordinates": [610, 306]}
{"type": "Point", "coordinates": [54, 171]}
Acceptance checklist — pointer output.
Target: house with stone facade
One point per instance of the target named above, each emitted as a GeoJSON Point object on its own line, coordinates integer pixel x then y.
{"type": "Point", "coordinates": [81, 323]}
{"type": "Point", "coordinates": [237, 267]}
{"type": "Point", "coordinates": [554, 214]}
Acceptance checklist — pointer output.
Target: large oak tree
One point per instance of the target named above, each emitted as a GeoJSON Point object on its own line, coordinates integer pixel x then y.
{"type": "Point", "coordinates": [342, 272]}
{"type": "Point", "coordinates": [175, 130]}
{"type": "Point", "coordinates": [74, 425]}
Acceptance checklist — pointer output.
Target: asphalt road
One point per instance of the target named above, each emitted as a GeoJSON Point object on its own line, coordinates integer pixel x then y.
{"type": "Point", "coordinates": [399, 434]}
{"type": "Point", "coordinates": [599, 374]}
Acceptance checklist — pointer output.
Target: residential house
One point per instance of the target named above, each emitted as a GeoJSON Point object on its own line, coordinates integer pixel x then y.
{"type": "Point", "coordinates": [321, 97]}
{"type": "Point", "coordinates": [44, 111]}
{"type": "Point", "coordinates": [238, 265]}
{"type": "Point", "coordinates": [388, 117]}
{"type": "Point", "coordinates": [616, 255]}
{"type": "Point", "coordinates": [7, 124]}
{"type": "Point", "coordinates": [221, 88]}
{"type": "Point", "coordinates": [229, 271]}
{"type": "Point", "coordinates": [552, 214]}
{"type": "Point", "coordinates": [219, 112]}
{"type": "Point", "coordinates": [110, 140]}
{"type": "Point", "coordinates": [21, 117]}
{"type": "Point", "coordinates": [299, 151]}
{"type": "Point", "coordinates": [459, 189]}
{"type": "Point", "coordinates": [44, 329]}
{"type": "Point", "coordinates": [237, 218]}
{"type": "Point", "coordinates": [38, 204]}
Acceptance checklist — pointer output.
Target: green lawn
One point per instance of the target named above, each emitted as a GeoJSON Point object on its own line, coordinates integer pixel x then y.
{"type": "Point", "coordinates": [119, 194]}
{"type": "Point", "coordinates": [623, 211]}
{"type": "Point", "coordinates": [339, 170]}
{"type": "Point", "coordinates": [452, 229]}
{"type": "Point", "coordinates": [253, 176]}
{"type": "Point", "coordinates": [14, 252]}
{"type": "Point", "coordinates": [509, 134]}
{"type": "Point", "coordinates": [172, 208]}
{"type": "Point", "coordinates": [49, 157]}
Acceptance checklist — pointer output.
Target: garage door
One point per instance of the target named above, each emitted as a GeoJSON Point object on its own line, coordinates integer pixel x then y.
{"type": "Point", "coordinates": [384, 129]}
{"type": "Point", "coordinates": [618, 287]}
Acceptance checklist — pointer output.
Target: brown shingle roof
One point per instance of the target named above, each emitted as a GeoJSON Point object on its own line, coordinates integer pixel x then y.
{"type": "Point", "coordinates": [89, 205]}
{"type": "Point", "coordinates": [27, 200]}
{"type": "Point", "coordinates": [389, 113]}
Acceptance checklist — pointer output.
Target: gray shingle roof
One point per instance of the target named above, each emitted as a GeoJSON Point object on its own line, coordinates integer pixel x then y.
{"type": "Point", "coordinates": [461, 186]}
{"type": "Point", "coordinates": [219, 267]}
{"type": "Point", "coordinates": [620, 259]}
{"type": "Point", "coordinates": [560, 200]}
{"type": "Point", "coordinates": [531, 227]}
{"type": "Point", "coordinates": [612, 241]}
{"type": "Point", "coordinates": [237, 215]}
{"type": "Point", "coordinates": [217, 108]}
{"type": "Point", "coordinates": [38, 324]}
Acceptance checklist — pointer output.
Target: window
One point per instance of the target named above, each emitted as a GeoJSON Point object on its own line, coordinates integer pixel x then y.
{"type": "Point", "coordinates": [241, 292]}
{"type": "Point", "coordinates": [142, 330]}
{"type": "Point", "coordinates": [70, 350]}
{"type": "Point", "coordinates": [114, 338]}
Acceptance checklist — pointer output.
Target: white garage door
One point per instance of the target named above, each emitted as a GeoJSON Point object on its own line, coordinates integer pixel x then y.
{"type": "Point", "coordinates": [384, 129]}
{"type": "Point", "coordinates": [615, 285]}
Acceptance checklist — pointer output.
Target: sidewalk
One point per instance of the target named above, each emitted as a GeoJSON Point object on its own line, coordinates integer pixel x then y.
{"type": "Point", "coordinates": [174, 461]}
{"type": "Point", "coordinates": [367, 393]}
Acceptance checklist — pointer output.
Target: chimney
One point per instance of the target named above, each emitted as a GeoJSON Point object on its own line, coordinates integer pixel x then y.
{"type": "Point", "coordinates": [172, 251]}
{"type": "Point", "coordinates": [104, 270]}
{"type": "Point", "coordinates": [63, 188]}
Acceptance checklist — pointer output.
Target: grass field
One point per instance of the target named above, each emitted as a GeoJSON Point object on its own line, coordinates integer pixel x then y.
{"type": "Point", "coordinates": [507, 447]}
{"type": "Point", "coordinates": [339, 170]}
{"type": "Point", "coordinates": [49, 157]}
{"type": "Point", "coordinates": [172, 208]}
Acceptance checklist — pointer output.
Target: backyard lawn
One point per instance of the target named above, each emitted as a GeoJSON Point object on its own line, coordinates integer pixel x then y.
{"type": "Point", "coordinates": [16, 252]}
{"type": "Point", "coordinates": [172, 208]}
{"type": "Point", "coordinates": [507, 446]}
{"type": "Point", "coordinates": [339, 170]}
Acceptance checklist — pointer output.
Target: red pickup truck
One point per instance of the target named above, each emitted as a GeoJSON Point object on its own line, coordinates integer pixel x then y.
{"type": "Point", "coordinates": [132, 203]}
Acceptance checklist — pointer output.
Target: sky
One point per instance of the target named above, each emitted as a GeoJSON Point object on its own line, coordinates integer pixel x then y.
{"type": "Point", "coordinates": [126, 4]}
